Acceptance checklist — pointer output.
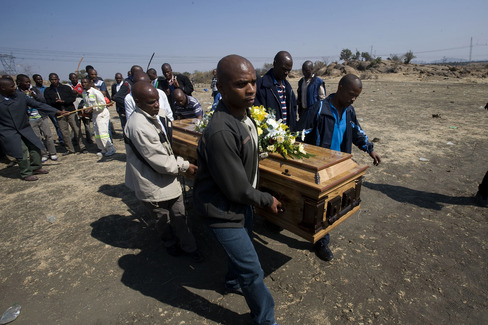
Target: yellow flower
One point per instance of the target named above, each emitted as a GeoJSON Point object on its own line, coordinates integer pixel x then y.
{"type": "Point", "coordinates": [260, 131]}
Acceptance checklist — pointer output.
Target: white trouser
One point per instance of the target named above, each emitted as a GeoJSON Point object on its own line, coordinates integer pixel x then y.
{"type": "Point", "coordinates": [100, 126]}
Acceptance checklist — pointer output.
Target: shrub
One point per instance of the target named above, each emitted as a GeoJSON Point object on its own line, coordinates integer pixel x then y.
{"type": "Point", "coordinates": [407, 57]}
{"type": "Point", "coordinates": [395, 58]}
{"type": "Point", "coordinates": [356, 56]}
{"type": "Point", "coordinates": [366, 56]}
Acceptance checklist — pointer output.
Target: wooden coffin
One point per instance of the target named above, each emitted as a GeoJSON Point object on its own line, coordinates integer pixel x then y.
{"type": "Point", "coordinates": [317, 193]}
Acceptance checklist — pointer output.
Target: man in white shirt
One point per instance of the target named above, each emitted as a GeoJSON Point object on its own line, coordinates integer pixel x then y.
{"type": "Point", "coordinates": [164, 107]}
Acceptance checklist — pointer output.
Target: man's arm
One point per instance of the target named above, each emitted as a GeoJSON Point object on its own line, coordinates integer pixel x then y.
{"type": "Point", "coordinates": [119, 96]}
{"type": "Point", "coordinates": [148, 143]}
{"type": "Point", "coordinates": [360, 139]}
{"type": "Point", "coordinates": [42, 106]}
{"type": "Point", "coordinates": [185, 85]}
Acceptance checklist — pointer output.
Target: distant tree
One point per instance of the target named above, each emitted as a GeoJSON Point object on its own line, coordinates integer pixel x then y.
{"type": "Point", "coordinates": [317, 65]}
{"type": "Point", "coordinates": [366, 56]}
{"type": "Point", "coordinates": [356, 56]}
{"type": "Point", "coordinates": [407, 57]}
{"type": "Point", "coordinates": [374, 63]}
{"type": "Point", "coordinates": [345, 54]}
{"type": "Point", "coordinates": [395, 57]}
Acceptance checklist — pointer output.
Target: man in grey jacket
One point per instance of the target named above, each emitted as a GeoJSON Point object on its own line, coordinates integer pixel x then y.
{"type": "Point", "coordinates": [152, 171]}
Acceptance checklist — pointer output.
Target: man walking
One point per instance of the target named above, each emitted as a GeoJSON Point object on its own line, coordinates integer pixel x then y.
{"type": "Point", "coordinates": [225, 185]}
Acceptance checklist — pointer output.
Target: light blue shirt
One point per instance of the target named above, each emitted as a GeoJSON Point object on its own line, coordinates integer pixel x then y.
{"type": "Point", "coordinates": [339, 129]}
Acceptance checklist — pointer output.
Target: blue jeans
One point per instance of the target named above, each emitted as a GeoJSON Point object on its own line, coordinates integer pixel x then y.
{"type": "Point", "coordinates": [244, 266]}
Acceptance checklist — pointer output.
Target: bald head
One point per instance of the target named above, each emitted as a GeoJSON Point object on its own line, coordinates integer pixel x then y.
{"type": "Point", "coordinates": [141, 76]}
{"type": "Point", "coordinates": [350, 80]}
{"type": "Point", "coordinates": [282, 65]}
{"type": "Point", "coordinates": [180, 97]}
{"type": "Point", "coordinates": [136, 68]}
{"type": "Point", "coordinates": [236, 81]}
{"type": "Point", "coordinates": [307, 69]}
{"type": "Point", "coordinates": [146, 97]}
{"type": "Point", "coordinates": [227, 66]}
{"type": "Point", "coordinates": [349, 89]}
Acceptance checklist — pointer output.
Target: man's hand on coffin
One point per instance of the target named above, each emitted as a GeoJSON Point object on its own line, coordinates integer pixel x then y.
{"type": "Point", "coordinates": [276, 206]}
{"type": "Point", "coordinates": [192, 169]}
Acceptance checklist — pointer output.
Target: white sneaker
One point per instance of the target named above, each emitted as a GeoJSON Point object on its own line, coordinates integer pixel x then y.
{"type": "Point", "coordinates": [110, 152]}
{"type": "Point", "coordinates": [54, 157]}
{"type": "Point", "coordinates": [44, 158]}
{"type": "Point", "coordinates": [100, 153]}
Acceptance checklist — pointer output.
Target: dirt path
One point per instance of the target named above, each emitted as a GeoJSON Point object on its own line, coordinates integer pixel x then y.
{"type": "Point", "coordinates": [416, 253]}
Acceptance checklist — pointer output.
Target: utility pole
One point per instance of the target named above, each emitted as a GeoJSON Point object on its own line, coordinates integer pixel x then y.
{"type": "Point", "coordinates": [470, 48]}
{"type": "Point", "coordinates": [8, 63]}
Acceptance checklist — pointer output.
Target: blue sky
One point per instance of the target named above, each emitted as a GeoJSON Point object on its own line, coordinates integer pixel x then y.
{"type": "Point", "coordinates": [52, 36]}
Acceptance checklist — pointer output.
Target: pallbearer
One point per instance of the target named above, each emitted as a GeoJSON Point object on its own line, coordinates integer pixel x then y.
{"type": "Point", "coordinates": [225, 185]}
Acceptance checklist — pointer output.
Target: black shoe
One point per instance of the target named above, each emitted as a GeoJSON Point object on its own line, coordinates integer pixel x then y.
{"type": "Point", "coordinates": [236, 290]}
{"type": "Point", "coordinates": [323, 251]}
{"type": "Point", "coordinates": [66, 153]}
{"type": "Point", "coordinates": [481, 200]}
{"type": "Point", "coordinates": [84, 151]}
{"type": "Point", "coordinates": [197, 256]}
{"type": "Point", "coordinates": [174, 250]}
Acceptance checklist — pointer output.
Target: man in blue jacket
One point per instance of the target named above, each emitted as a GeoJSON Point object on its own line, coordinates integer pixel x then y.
{"type": "Point", "coordinates": [274, 92]}
{"type": "Point", "coordinates": [332, 123]}
{"type": "Point", "coordinates": [311, 88]}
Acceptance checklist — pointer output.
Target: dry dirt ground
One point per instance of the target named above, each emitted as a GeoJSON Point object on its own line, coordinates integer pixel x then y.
{"type": "Point", "coordinates": [76, 247]}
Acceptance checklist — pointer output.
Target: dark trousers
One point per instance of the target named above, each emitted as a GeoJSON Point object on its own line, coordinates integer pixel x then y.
{"type": "Point", "coordinates": [31, 158]}
{"type": "Point", "coordinates": [65, 123]}
{"type": "Point", "coordinates": [56, 126]}
{"type": "Point", "coordinates": [171, 223]}
{"type": "Point", "coordinates": [88, 129]}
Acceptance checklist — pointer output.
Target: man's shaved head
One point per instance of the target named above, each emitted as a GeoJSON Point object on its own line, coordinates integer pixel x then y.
{"type": "Point", "coordinates": [282, 65]}
{"type": "Point", "coordinates": [146, 97]}
{"type": "Point", "coordinates": [136, 68]}
{"type": "Point", "coordinates": [141, 76]}
{"type": "Point", "coordinates": [180, 97]}
{"type": "Point", "coordinates": [282, 56]}
{"type": "Point", "coordinates": [229, 63]}
{"type": "Point", "coordinates": [350, 79]}
{"type": "Point", "coordinates": [236, 81]}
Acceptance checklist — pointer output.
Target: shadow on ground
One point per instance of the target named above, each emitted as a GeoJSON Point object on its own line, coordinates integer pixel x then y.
{"type": "Point", "coordinates": [178, 282]}
{"type": "Point", "coordinates": [421, 199]}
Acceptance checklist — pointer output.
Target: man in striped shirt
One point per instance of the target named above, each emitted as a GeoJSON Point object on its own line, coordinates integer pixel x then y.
{"type": "Point", "coordinates": [186, 106]}
{"type": "Point", "coordinates": [274, 92]}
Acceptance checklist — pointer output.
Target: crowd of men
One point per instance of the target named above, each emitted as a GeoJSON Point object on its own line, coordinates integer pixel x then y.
{"type": "Point", "coordinates": [225, 188]}
{"type": "Point", "coordinates": [226, 177]}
